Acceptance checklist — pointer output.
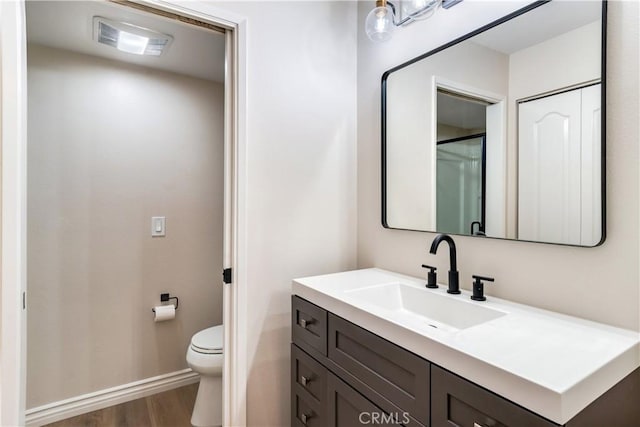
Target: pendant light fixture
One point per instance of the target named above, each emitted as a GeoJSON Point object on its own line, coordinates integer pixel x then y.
{"type": "Point", "coordinates": [379, 25]}
{"type": "Point", "coordinates": [383, 19]}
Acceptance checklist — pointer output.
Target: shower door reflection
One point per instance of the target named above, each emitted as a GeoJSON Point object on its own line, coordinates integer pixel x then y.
{"type": "Point", "coordinates": [460, 185]}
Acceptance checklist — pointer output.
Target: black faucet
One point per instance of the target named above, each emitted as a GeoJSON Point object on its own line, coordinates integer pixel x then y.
{"type": "Point", "coordinates": [454, 287]}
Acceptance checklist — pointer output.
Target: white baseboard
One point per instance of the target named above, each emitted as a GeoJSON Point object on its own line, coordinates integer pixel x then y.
{"type": "Point", "coordinates": [101, 399]}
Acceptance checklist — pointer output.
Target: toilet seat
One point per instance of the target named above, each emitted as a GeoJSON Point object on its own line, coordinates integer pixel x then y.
{"type": "Point", "coordinates": [208, 341]}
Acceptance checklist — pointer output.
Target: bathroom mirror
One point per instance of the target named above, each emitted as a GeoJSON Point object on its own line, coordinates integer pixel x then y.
{"type": "Point", "coordinates": [500, 133]}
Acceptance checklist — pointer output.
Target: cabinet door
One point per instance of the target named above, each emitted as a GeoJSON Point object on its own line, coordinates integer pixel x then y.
{"type": "Point", "coordinates": [348, 408]}
{"type": "Point", "coordinates": [308, 324]}
{"type": "Point", "coordinates": [305, 412]}
{"type": "Point", "coordinates": [308, 390]}
{"type": "Point", "coordinates": [456, 402]}
{"type": "Point", "coordinates": [399, 376]}
{"type": "Point", "coordinates": [308, 376]}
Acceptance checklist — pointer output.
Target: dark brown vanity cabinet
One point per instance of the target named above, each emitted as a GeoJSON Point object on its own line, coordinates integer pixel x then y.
{"type": "Point", "coordinates": [322, 399]}
{"type": "Point", "coordinates": [309, 389]}
{"type": "Point", "coordinates": [458, 402]}
{"type": "Point", "coordinates": [400, 377]}
{"type": "Point", "coordinates": [352, 377]}
{"type": "Point", "coordinates": [345, 376]}
{"type": "Point", "coordinates": [348, 408]}
{"type": "Point", "coordinates": [309, 325]}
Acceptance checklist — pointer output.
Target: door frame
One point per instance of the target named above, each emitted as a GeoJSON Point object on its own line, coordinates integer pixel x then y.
{"type": "Point", "coordinates": [500, 143]}
{"type": "Point", "coordinates": [13, 129]}
{"type": "Point", "coordinates": [13, 109]}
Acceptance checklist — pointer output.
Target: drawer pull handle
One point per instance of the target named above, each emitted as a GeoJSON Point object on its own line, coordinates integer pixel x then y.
{"type": "Point", "coordinates": [304, 380]}
{"type": "Point", "coordinates": [304, 417]}
{"type": "Point", "coordinates": [304, 323]}
{"type": "Point", "coordinates": [477, 425]}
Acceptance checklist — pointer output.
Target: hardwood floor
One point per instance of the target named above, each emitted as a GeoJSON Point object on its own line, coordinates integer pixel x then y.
{"type": "Point", "coordinates": [168, 409]}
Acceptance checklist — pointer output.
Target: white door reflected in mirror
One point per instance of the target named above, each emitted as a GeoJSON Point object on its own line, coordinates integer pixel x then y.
{"type": "Point", "coordinates": [559, 160]}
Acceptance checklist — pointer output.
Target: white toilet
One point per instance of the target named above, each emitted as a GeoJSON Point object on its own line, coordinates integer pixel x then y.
{"type": "Point", "coordinates": [205, 357]}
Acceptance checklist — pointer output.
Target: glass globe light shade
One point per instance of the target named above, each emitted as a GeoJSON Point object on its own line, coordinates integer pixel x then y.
{"type": "Point", "coordinates": [379, 24]}
{"type": "Point", "coordinates": [418, 9]}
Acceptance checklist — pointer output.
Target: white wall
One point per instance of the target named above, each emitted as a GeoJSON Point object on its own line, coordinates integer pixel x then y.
{"type": "Point", "coordinates": [409, 201]}
{"type": "Point", "coordinates": [596, 283]}
{"type": "Point", "coordinates": [577, 52]}
{"type": "Point", "coordinates": [110, 145]}
{"type": "Point", "coordinates": [410, 100]}
{"type": "Point", "coordinates": [301, 195]}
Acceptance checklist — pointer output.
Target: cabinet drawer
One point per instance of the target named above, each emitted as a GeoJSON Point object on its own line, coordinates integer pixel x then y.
{"type": "Point", "coordinates": [458, 402]}
{"type": "Point", "coordinates": [306, 412]}
{"type": "Point", "coordinates": [396, 374]}
{"type": "Point", "coordinates": [307, 374]}
{"type": "Point", "coordinates": [348, 408]}
{"type": "Point", "coordinates": [308, 324]}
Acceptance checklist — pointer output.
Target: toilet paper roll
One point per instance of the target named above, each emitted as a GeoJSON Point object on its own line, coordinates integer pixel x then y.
{"type": "Point", "coordinates": [164, 312]}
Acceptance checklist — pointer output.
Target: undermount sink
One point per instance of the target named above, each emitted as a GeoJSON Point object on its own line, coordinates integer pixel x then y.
{"type": "Point", "coordinates": [449, 313]}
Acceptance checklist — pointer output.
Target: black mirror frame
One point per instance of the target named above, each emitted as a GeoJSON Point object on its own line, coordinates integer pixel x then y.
{"type": "Point", "coordinates": [495, 23]}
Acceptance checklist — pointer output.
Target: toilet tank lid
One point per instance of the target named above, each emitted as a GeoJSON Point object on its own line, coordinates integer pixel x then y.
{"type": "Point", "coordinates": [208, 339]}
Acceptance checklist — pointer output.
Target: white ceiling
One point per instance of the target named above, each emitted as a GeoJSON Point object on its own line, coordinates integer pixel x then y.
{"type": "Point", "coordinates": [542, 23]}
{"type": "Point", "coordinates": [195, 51]}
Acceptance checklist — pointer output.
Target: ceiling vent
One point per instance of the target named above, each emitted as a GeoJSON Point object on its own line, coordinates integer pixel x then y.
{"type": "Point", "coordinates": [130, 38]}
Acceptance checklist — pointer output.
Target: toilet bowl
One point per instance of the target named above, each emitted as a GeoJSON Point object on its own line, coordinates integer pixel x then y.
{"type": "Point", "coordinates": [204, 356]}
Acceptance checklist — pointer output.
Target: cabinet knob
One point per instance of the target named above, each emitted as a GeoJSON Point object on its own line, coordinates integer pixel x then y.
{"type": "Point", "coordinates": [304, 417]}
{"type": "Point", "coordinates": [304, 380]}
{"type": "Point", "coordinates": [304, 323]}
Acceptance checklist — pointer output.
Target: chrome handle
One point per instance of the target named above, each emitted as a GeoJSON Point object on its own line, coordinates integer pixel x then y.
{"type": "Point", "coordinates": [477, 425]}
{"type": "Point", "coordinates": [304, 323]}
{"type": "Point", "coordinates": [304, 380]}
{"type": "Point", "coordinates": [304, 417]}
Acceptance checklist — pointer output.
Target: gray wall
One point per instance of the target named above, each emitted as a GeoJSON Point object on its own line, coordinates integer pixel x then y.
{"type": "Point", "coordinates": [111, 145]}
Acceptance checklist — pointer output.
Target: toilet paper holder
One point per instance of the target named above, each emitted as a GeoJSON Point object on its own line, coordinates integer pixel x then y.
{"type": "Point", "coordinates": [165, 298]}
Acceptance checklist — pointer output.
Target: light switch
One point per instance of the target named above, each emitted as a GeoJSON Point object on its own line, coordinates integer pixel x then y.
{"type": "Point", "coordinates": [158, 226]}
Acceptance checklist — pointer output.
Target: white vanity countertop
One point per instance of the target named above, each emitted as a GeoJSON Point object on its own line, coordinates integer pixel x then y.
{"type": "Point", "coordinates": [554, 365]}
